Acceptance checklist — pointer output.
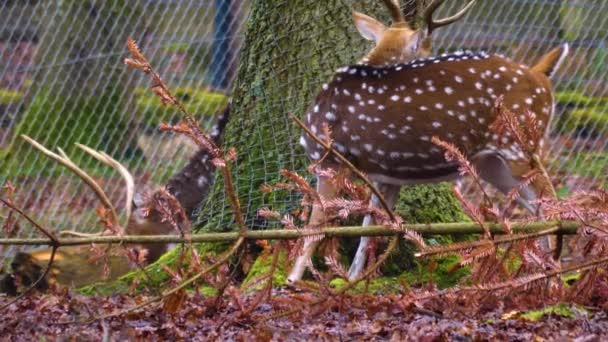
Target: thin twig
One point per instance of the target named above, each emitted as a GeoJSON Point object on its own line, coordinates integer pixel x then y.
{"type": "Point", "coordinates": [524, 280]}
{"type": "Point", "coordinates": [348, 164]}
{"type": "Point", "coordinates": [559, 243]}
{"type": "Point", "coordinates": [566, 227]}
{"type": "Point", "coordinates": [456, 247]}
{"type": "Point", "coordinates": [53, 239]}
{"type": "Point", "coordinates": [268, 286]}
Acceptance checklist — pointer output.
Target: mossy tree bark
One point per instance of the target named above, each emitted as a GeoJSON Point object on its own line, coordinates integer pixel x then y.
{"type": "Point", "coordinates": [83, 93]}
{"type": "Point", "coordinates": [289, 51]}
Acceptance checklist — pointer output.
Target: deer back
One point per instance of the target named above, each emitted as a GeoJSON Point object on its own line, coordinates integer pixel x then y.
{"type": "Point", "coordinates": [383, 118]}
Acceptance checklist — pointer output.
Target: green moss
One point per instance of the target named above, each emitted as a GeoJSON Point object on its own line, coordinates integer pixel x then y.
{"type": "Point", "coordinates": [380, 285]}
{"type": "Point", "coordinates": [447, 274]}
{"type": "Point", "coordinates": [61, 122]}
{"type": "Point", "coordinates": [429, 203]}
{"type": "Point", "coordinates": [261, 266]}
{"type": "Point", "coordinates": [200, 103]}
{"type": "Point", "coordinates": [563, 310]}
{"type": "Point", "coordinates": [588, 121]}
{"type": "Point", "coordinates": [8, 97]}
{"type": "Point", "coordinates": [570, 278]}
{"type": "Point", "coordinates": [444, 272]}
{"type": "Point", "coordinates": [586, 164]}
{"type": "Point", "coordinates": [156, 275]}
{"type": "Point", "coordinates": [573, 98]}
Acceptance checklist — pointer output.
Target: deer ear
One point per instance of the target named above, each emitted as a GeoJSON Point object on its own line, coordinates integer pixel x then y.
{"type": "Point", "coordinates": [368, 27]}
{"type": "Point", "coordinates": [139, 199]}
{"type": "Point", "coordinates": [417, 42]}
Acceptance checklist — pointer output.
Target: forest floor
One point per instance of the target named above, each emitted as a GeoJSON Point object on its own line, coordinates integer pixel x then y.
{"type": "Point", "coordinates": [360, 317]}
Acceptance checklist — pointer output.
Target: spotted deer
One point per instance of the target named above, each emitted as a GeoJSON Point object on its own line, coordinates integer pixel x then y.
{"type": "Point", "coordinates": [384, 115]}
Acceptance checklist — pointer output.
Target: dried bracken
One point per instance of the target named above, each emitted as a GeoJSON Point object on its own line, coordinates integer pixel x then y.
{"type": "Point", "coordinates": [508, 270]}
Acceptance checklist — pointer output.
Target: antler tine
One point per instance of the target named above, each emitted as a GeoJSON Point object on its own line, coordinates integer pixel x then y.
{"type": "Point", "coordinates": [434, 24]}
{"type": "Point", "coordinates": [64, 160]}
{"type": "Point", "coordinates": [126, 175]}
{"type": "Point", "coordinates": [394, 8]}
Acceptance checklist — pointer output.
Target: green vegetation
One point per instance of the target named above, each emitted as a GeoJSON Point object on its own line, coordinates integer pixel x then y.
{"type": "Point", "coordinates": [589, 121]}
{"type": "Point", "coordinates": [201, 103]}
{"type": "Point", "coordinates": [261, 267]}
{"type": "Point", "coordinates": [8, 96]}
{"type": "Point", "coordinates": [589, 116]}
{"type": "Point", "coordinates": [562, 310]}
{"type": "Point", "coordinates": [573, 98]}
{"type": "Point", "coordinates": [588, 164]}
{"type": "Point", "coordinates": [156, 274]}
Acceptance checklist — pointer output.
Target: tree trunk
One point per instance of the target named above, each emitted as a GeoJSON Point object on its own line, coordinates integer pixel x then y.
{"type": "Point", "coordinates": [289, 51]}
{"type": "Point", "coordinates": [79, 93]}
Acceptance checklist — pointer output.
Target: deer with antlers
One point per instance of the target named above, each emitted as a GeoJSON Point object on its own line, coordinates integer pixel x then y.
{"type": "Point", "coordinates": [384, 111]}
{"type": "Point", "coordinates": [146, 212]}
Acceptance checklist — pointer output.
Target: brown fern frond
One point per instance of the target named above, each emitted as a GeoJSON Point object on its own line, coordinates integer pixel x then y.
{"type": "Point", "coordinates": [300, 183]}
{"type": "Point", "coordinates": [457, 247]}
{"type": "Point", "coordinates": [453, 154]}
{"type": "Point", "coordinates": [527, 179]}
{"type": "Point", "coordinates": [416, 238]}
{"type": "Point", "coordinates": [472, 211]}
{"type": "Point", "coordinates": [134, 49]}
{"type": "Point", "coordinates": [269, 214]}
{"type": "Point", "coordinates": [477, 253]}
{"type": "Point", "coordinates": [326, 131]}
{"type": "Point", "coordinates": [287, 222]}
{"type": "Point", "coordinates": [336, 267]}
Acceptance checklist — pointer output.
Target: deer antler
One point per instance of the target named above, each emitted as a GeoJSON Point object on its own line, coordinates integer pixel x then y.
{"type": "Point", "coordinates": [64, 160]}
{"type": "Point", "coordinates": [126, 175]}
{"type": "Point", "coordinates": [394, 8]}
{"type": "Point", "coordinates": [435, 24]}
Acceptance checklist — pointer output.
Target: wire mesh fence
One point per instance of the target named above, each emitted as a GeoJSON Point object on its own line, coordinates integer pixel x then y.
{"type": "Point", "coordinates": [62, 81]}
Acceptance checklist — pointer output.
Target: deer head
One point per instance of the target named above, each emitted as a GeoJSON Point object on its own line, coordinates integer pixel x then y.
{"type": "Point", "coordinates": [400, 42]}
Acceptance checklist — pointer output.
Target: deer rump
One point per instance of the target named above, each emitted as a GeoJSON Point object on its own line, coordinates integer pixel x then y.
{"type": "Point", "coordinates": [383, 118]}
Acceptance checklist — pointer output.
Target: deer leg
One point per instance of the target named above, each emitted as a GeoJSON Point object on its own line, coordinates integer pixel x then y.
{"type": "Point", "coordinates": [326, 191]}
{"type": "Point", "coordinates": [390, 193]}
{"type": "Point", "coordinates": [496, 171]}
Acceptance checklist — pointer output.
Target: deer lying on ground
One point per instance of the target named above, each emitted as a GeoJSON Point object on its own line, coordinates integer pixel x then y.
{"type": "Point", "coordinates": [72, 267]}
{"type": "Point", "coordinates": [384, 111]}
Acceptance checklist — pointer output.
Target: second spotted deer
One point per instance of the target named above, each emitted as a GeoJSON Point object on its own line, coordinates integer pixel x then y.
{"type": "Point", "coordinates": [383, 118]}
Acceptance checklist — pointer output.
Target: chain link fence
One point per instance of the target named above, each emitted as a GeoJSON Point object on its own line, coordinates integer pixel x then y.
{"type": "Point", "coordinates": [62, 81]}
